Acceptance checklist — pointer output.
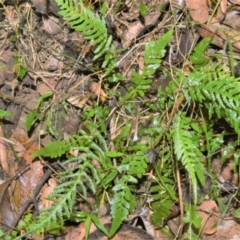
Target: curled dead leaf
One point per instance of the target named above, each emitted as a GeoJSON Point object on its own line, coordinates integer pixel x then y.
{"type": "Point", "coordinates": [79, 100]}
{"type": "Point", "coordinates": [3, 153]}
{"type": "Point", "coordinates": [97, 90]}
{"type": "Point", "coordinates": [198, 10]}
{"type": "Point", "coordinates": [209, 212]}
{"type": "Point", "coordinates": [46, 191]}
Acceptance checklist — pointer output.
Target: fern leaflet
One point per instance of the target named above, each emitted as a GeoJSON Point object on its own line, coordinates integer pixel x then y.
{"type": "Point", "coordinates": [54, 149]}
{"type": "Point", "coordinates": [187, 152]}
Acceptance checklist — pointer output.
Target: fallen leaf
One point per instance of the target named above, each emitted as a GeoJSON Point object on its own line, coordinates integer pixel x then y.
{"type": "Point", "coordinates": [97, 90]}
{"type": "Point", "coordinates": [3, 153]}
{"type": "Point", "coordinates": [209, 212]}
{"type": "Point", "coordinates": [223, 6]}
{"type": "Point", "coordinates": [46, 191]}
{"type": "Point", "coordinates": [79, 100]}
{"type": "Point", "coordinates": [29, 180]}
{"type": "Point", "coordinates": [7, 214]}
{"type": "Point", "coordinates": [198, 10]}
{"type": "Point", "coordinates": [78, 233]}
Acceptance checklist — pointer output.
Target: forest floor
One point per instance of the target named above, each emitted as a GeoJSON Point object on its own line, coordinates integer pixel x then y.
{"type": "Point", "coordinates": [50, 85]}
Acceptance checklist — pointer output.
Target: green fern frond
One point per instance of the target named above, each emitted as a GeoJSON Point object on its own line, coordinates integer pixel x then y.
{"type": "Point", "coordinates": [154, 52]}
{"type": "Point", "coordinates": [187, 152]}
{"type": "Point", "coordinates": [80, 173]}
{"type": "Point", "coordinates": [233, 118]}
{"type": "Point", "coordinates": [216, 89]}
{"type": "Point", "coordinates": [82, 19]}
{"type": "Point", "coordinates": [64, 195]}
{"type": "Point", "coordinates": [137, 164]}
{"type": "Point", "coordinates": [120, 206]}
{"type": "Point", "coordinates": [54, 149]}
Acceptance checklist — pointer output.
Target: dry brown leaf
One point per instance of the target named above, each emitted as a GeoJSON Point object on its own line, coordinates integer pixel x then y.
{"type": "Point", "coordinates": [132, 33]}
{"type": "Point", "coordinates": [46, 191]}
{"type": "Point", "coordinates": [137, 27]}
{"type": "Point", "coordinates": [235, 2]}
{"type": "Point", "coordinates": [223, 6]}
{"type": "Point", "coordinates": [11, 15]}
{"type": "Point", "coordinates": [79, 100]}
{"type": "Point", "coordinates": [21, 136]}
{"type": "Point", "coordinates": [78, 233]}
{"type": "Point", "coordinates": [97, 90]}
{"type": "Point", "coordinates": [209, 212]}
{"type": "Point", "coordinates": [29, 180]}
{"type": "Point", "coordinates": [41, 6]}
{"type": "Point", "coordinates": [46, 87]}
{"type": "Point", "coordinates": [7, 214]}
{"type": "Point", "coordinates": [27, 155]}
{"type": "Point", "coordinates": [30, 147]}
{"type": "Point", "coordinates": [220, 33]}
{"type": "Point", "coordinates": [198, 10]}
{"type": "Point", "coordinates": [3, 153]}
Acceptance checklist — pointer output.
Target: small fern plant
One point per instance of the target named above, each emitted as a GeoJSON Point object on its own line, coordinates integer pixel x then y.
{"type": "Point", "coordinates": [81, 174]}
{"type": "Point", "coordinates": [179, 132]}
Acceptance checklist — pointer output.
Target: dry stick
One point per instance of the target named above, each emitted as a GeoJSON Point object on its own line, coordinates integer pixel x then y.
{"type": "Point", "coordinates": [32, 198]}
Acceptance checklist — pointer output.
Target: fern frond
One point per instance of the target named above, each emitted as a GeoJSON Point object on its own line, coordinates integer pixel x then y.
{"type": "Point", "coordinates": [216, 89]}
{"type": "Point", "coordinates": [83, 20]}
{"type": "Point", "coordinates": [80, 173]}
{"type": "Point", "coordinates": [187, 152]}
{"type": "Point", "coordinates": [120, 206]}
{"type": "Point", "coordinates": [54, 149]}
{"type": "Point", "coordinates": [137, 164]}
{"type": "Point", "coordinates": [233, 118]}
{"type": "Point", "coordinates": [64, 196]}
{"type": "Point", "coordinates": [154, 52]}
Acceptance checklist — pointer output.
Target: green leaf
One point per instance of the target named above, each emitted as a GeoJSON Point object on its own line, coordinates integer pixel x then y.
{"type": "Point", "coordinates": [5, 113]}
{"type": "Point", "coordinates": [44, 97]}
{"type": "Point", "coordinates": [109, 177]}
{"type": "Point", "coordinates": [53, 149]}
{"type": "Point", "coordinates": [198, 57]}
{"type": "Point", "coordinates": [120, 206]}
{"type": "Point", "coordinates": [19, 69]}
{"type": "Point", "coordinates": [114, 154]}
{"type": "Point", "coordinates": [161, 210]}
{"type": "Point", "coordinates": [87, 226]}
{"type": "Point", "coordinates": [192, 216]}
{"type": "Point", "coordinates": [78, 217]}
{"type": "Point", "coordinates": [187, 151]}
{"type": "Point", "coordinates": [30, 119]}
{"type": "Point", "coordinates": [143, 9]}
{"type": "Point", "coordinates": [104, 8]}
{"type": "Point", "coordinates": [98, 223]}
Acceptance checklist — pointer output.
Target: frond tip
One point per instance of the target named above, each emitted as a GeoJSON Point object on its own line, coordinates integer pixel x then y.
{"type": "Point", "coordinates": [83, 20]}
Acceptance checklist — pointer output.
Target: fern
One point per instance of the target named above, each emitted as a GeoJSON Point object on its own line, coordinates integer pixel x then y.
{"type": "Point", "coordinates": [154, 52]}
{"type": "Point", "coordinates": [80, 172]}
{"type": "Point", "coordinates": [216, 89]}
{"type": "Point", "coordinates": [54, 149]}
{"type": "Point", "coordinates": [187, 151]}
{"type": "Point", "coordinates": [64, 197]}
{"type": "Point", "coordinates": [122, 203]}
{"type": "Point", "coordinates": [93, 28]}
{"type": "Point", "coordinates": [137, 163]}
